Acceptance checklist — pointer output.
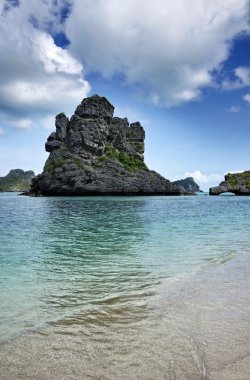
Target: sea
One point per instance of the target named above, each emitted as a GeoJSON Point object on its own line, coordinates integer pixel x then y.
{"type": "Point", "coordinates": [129, 287]}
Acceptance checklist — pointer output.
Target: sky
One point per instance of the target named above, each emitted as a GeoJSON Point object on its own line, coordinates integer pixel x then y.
{"type": "Point", "coordinates": [181, 68]}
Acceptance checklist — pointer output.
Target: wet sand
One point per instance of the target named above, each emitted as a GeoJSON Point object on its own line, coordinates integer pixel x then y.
{"type": "Point", "coordinates": [195, 327]}
{"type": "Point", "coordinates": [213, 309]}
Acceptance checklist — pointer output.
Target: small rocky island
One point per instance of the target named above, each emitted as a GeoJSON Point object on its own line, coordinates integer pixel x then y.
{"type": "Point", "coordinates": [189, 185]}
{"type": "Point", "coordinates": [16, 180]}
{"type": "Point", "coordinates": [95, 153]}
{"type": "Point", "coordinates": [236, 183]}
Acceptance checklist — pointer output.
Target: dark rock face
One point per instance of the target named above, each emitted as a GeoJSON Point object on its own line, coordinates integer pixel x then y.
{"type": "Point", "coordinates": [96, 153]}
{"type": "Point", "coordinates": [55, 139]}
{"type": "Point", "coordinates": [237, 183]}
{"type": "Point", "coordinates": [16, 180]}
{"type": "Point", "coordinates": [189, 185]}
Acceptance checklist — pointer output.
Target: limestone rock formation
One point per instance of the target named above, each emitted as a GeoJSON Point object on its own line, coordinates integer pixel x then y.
{"type": "Point", "coordinates": [96, 153]}
{"type": "Point", "coordinates": [189, 185]}
{"type": "Point", "coordinates": [16, 180]}
{"type": "Point", "coordinates": [236, 183]}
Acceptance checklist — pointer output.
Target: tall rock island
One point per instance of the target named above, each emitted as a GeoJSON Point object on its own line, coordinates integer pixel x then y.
{"type": "Point", "coordinates": [236, 183]}
{"type": "Point", "coordinates": [96, 153]}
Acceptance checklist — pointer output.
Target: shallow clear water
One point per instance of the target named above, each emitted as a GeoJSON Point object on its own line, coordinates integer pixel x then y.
{"type": "Point", "coordinates": [96, 257]}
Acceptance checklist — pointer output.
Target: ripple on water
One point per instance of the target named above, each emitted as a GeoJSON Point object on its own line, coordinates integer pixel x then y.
{"type": "Point", "coordinates": [89, 269]}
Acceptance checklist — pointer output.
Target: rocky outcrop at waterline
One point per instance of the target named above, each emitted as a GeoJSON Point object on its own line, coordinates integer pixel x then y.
{"type": "Point", "coordinates": [96, 153]}
{"type": "Point", "coordinates": [189, 185]}
{"type": "Point", "coordinates": [236, 183]}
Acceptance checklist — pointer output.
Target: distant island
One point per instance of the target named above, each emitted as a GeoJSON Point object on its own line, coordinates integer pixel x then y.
{"type": "Point", "coordinates": [16, 180]}
{"type": "Point", "coordinates": [236, 183]}
{"type": "Point", "coordinates": [189, 185]}
{"type": "Point", "coordinates": [95, 153]}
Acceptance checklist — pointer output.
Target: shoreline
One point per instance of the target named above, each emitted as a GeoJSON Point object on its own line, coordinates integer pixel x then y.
{"type": "Point", "coordinates": [212, 308]}
{"type": "Point", "coordinates": [197, 327]}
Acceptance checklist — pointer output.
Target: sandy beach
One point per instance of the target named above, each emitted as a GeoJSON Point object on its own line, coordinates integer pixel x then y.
{"type": "Point", "coordinates": [195, 327]}
{"type": "Point", "coordinates": [212, 308]}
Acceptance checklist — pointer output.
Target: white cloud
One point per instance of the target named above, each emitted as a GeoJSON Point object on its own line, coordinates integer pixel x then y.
{"type": "Point", "coordinates": [203, 178]}
{"type": "Point", "coordinates": [56, 93]}
{"type": "Point", "coordinates": [246, 97]}
{"type": "Point", "coordinates": [23, 124]}
{"type": "Point", "coordinates": [242, 80]}
{"type": "Point", "coordinates": [234, 109]}
{"type": "Point", "coordinates": [48, 122]}
{"type": "Point", "coordinates": [26, 124]}
{"type": "Point", "coordinates": [36, 76]}
{"type": "Point", "coordinates": [54, 58]}
{"type": "Point", "coordinates": [205, 181]}
{"type": "Point", "coordinates": [167, 49]}
{"type": "Point", "coordinates": [243, 73]}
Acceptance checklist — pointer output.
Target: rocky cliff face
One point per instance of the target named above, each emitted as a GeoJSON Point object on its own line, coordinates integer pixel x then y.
{"type": "Point", "coordinates": [96, 153]}
{"type": "Point", "coordinates": [16, 180]}
{"type": "Point", "coordinates": [237, 183]}
{"type": "Point", "coordinates": [189, 185]}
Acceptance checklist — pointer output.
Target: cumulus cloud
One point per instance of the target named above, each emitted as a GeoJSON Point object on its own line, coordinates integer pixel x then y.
{"type": "Point", "coordinates": [242, 79]}
{"type": "Point", "coordinates": [19, 123]}
{"type": "Point", "coordinates": [169, 50]}
{"type": "Point", "coordinates": [243, 73]}
{"type": "Point", "coordinates": [204, 178]}
{"type": "Point", "coordinates": [23, 124]}
{"type": "Point", "coordinates": [36, 76]}
{"type": "Point", "coordinates": [246, 97]}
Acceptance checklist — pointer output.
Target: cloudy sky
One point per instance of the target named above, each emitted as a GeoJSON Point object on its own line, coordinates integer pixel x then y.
{"type": "Point", "coordinates": [180, 67]}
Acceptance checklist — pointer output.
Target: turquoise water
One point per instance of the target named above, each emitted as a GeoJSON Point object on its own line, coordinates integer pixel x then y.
{"type": "Point", "coordinates": [64, 257]}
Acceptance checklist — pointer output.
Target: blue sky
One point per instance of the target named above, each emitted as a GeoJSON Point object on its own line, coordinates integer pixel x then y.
{"type": "Point", "coordinates": [182, 68]}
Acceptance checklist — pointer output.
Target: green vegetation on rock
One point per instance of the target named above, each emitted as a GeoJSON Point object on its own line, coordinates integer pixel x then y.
{"type": "Point", "coordinates": [78, 162]}
{"type": "Point", "coordinates": [239, 179]}
{"type": "Point", "coordinates": [52, 163]}
{"type": "Point", "coordinates": [16, 180]}
{"type": "Point", "coordinates": [231, 179]}
{"type": "Point", "coordinates": [131, 134]}
{"type": "Point", "coordinates": [63, 148]}
{"type": "Point", "coordinates": [130, 162]}
{"type": "Point", "coordinates": [139, 146]}
{"type": "Point", "coordinates": [111, 152]}
{"type": "Point", "coordinates": [48, 167]}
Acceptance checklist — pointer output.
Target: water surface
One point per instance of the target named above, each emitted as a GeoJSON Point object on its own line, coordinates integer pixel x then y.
{"type": "Point", "coordinates": [63, 256]}
{"type": "Point", "coordinates": [106, 277]}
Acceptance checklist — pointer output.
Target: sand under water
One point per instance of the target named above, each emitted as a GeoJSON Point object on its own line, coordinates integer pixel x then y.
{"type": "Point", "coordinates": [196, 326]}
